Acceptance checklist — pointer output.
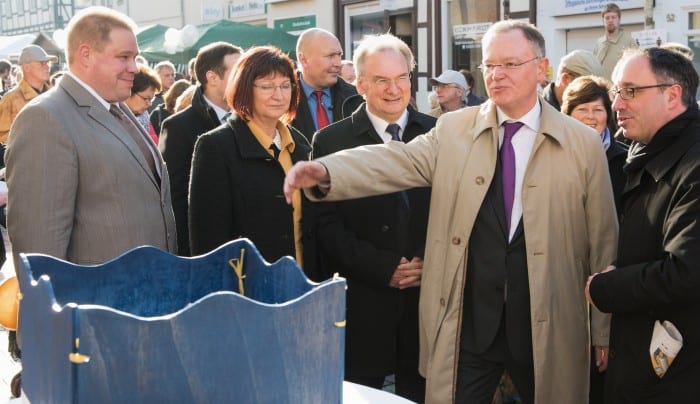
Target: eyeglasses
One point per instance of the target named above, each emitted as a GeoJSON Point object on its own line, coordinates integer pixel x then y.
{"type": "Point", "coordinates": [488, 68]}
{"type": "Point", "coordinates": [627, 93]}
{"type": "Point", "coordinates": [402, 81]}
{"type": "Point", "coordinates": [267, 89]}
{"type": "Point", "coordinates": [443, 85]}
{"type": "Point", "coordinates": [147, 100]}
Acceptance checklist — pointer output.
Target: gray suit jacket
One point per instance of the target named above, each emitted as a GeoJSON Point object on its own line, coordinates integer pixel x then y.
{"type": "Point", "coordinates": [81, 189]}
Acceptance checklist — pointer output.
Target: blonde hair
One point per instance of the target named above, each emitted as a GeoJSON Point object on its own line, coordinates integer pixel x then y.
{"type": "Point", "coordinates": [93, 26]}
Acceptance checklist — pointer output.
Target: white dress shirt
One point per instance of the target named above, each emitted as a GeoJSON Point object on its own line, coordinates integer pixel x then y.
{"type": "Point", "coordinates": [380, 125]}
{"type": "Point", "coordinates": [523, 141]}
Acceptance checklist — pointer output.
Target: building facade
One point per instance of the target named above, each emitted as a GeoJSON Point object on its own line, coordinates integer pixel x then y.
{"type": "Point", "coordinates": [444, 34]}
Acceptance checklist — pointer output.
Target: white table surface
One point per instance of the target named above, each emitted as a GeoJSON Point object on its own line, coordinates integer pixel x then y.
{"type": "Point", "coordinates": [352, 394]}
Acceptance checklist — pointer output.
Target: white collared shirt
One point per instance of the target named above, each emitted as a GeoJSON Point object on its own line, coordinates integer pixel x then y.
{"type": "Point", "coordinates": [220, 112]}
{"type": "Point", "coordinates": [523, 141]}
{"type": "Point", "coordinates": [380, 125]}
{"type": "Point", "coordinates": [90, 90]}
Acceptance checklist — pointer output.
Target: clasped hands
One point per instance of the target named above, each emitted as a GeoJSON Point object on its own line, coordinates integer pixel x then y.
{"type": "Point", "coordinates": [407, 274]}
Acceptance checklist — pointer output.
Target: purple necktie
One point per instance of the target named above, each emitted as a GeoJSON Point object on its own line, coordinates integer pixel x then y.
{"type": "Point", "coordinates": [508, 167]}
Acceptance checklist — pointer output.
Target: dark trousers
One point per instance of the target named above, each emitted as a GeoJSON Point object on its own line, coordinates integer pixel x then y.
{"type": "Point", "coordinates": [408, 382]}
{"type": "Point", "coordinates": [595, 395]}
{"type": "Point", "coordinates": [478, 375]}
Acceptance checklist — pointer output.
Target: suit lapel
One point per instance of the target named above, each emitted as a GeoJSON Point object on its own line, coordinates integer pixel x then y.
{"type": "Point", "coordinates": [103, 119]}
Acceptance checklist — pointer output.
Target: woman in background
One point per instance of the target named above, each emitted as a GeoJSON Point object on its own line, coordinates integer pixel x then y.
{"type": "Point", "coordinates": [167, 108]}
{"type": "Point", "coordinates": [146, 85]}
{"type": "Point", "coordinates": [587, 100]}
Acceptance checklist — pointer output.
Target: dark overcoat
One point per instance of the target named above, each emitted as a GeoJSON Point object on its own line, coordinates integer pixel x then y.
{"type": "Point", "coordinates": [236, 191]}
{"type": "Point", "coordinates": [658, 269]}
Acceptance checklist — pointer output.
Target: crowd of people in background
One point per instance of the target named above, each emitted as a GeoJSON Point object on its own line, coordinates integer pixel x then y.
{"type": "Point", "coordinates": [531, 235]}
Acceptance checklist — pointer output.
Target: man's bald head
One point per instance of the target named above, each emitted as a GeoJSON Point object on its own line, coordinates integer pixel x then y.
{"type": "Point", "coordinates": [319, 55]}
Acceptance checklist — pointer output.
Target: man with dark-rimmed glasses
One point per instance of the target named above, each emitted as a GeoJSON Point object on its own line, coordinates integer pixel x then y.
{"type": "Point", "coordinates": [521, 213]}
{"type": "Point", "coordinates": [657, 278]}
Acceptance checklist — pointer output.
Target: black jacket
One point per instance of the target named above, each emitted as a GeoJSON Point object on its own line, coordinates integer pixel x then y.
{"type": "Point", "coordinates": [550, 96]}
{"type": "Point", "coordinates": [363, 240]}
{"type": "Point", "coordinates": [157, 116]}
{"type": "Point", "coordinates": [473, 100]}
{"type": "Point", "coordinates": [340, 92]}
{"type": "Point", "coordinates": [658, 268]}
{"type": "Point", "coordinates": [176, 143]}
{"type": "Point", "coordinates": [236, 191]}
{"type": "Point", "coordinates": [617, 156]}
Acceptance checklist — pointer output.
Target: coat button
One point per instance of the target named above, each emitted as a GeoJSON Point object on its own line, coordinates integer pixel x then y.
{"type": "Point", "coordinates": [442, 302]}
{"type": "Point", "coordinates": [479, 180]}
{"type": "Point", "coordinates": [385, 228]}
{"type": "Point", "coordinates": [456, 240]}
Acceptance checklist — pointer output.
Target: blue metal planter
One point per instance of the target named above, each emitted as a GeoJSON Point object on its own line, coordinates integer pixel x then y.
{"type": "Point", "coordinates": [151, 327]}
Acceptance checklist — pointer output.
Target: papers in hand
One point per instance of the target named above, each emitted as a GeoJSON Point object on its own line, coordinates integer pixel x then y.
{"type": "Point", "coordinates": [666, 342]}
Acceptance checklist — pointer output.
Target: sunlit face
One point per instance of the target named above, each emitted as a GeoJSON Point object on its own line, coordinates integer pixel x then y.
{"type": "Point", "coordinates": [229, 62]}
{"type": "Point", "coordinates": [643, 115]}
{"type": "Point", "coordinates": [37, 71]}
{"type": "Point", "coordinates": [139, 102]}
{"type": "Point", "coordinates": [320, 61]}
{"type": "Point", "coordinates": [347, 72]}
{"type": "Point", "coordinates": [272, 96]}
{"type": "Point", "coordinates": [449, 96]}
{"type": "Point", "coordinates": [592, 114]}
{"type": "Point", "coordinates": [385, 84]}
{"type": "Point", "coordinates": [611, 21]}
{"type": "Point", "coordinates": [111, 71]}
{"type": "Point", "coordinates": [167, 77]}
{"type": "Point", "coordinates": [513, 90]}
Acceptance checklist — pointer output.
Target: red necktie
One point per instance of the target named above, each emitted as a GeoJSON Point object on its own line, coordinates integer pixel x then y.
{"type": "Point", "coordinates": [321, 116]}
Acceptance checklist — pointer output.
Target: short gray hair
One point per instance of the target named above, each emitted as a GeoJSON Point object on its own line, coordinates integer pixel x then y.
{"type": "Point", "coordinates": [371, 44]}
{"type": "Point", "coordinates": [532, 34]}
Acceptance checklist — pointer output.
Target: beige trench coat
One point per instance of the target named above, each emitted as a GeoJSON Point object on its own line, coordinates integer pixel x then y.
{"type": "Point", "coordinates": [570, 231]}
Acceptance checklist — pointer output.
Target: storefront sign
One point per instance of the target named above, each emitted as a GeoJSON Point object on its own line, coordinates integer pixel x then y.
{"type": "Point", "coordinates": [650, 37]}
{"type": "Point", "coordinates": [468, 36]}
{"type": "Point", "coordinates": [296, 24]}
{"type": "Point", "coordinates": [473, 31]}
{"type": "Point", "coordinates": [570, 7]}
{"type": "Point", "coordinates": [244, 8]}
{"type": "Point", "coordinates": [212, 12]}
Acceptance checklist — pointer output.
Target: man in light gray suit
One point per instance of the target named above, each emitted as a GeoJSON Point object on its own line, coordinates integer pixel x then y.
{"type": "Point", "coordinates": [86, 182]}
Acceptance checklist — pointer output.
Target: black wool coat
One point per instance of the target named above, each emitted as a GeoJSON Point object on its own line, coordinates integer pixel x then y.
{"type": "Point", "coordinates": [363, 240]}
{"type": "Point", "coordinates": [658, 269]}
{"type": "Point", "coordinates": [236, 191]}
{"type": "Point", "coordinates": [178, 134]}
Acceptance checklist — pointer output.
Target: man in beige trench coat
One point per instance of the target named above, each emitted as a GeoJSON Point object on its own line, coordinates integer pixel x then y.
{"type": "Point", "coordinates": [564, 228]}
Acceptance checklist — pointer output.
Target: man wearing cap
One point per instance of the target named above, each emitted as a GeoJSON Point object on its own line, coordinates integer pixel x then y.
{"type": "Point", "coordinates": [35, 64]}
{"type": "Point", "coordinates": [575, 64]}
{"type": "Point", "coordinates": [452, 91]}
